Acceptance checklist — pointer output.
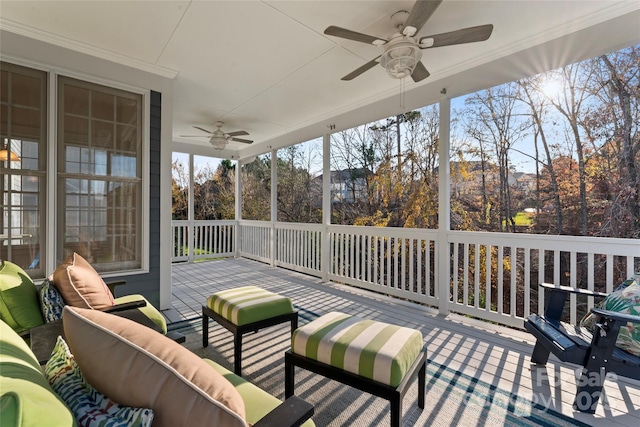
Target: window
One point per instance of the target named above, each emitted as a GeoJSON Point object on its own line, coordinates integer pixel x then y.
{"type": "Point", "coordinates": [23, 148]}
{"type": "Point", "coordinates": [99, 175]}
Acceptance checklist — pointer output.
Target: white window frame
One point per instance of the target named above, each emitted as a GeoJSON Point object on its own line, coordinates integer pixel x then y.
{"type": "Point", "coordinates": [51, 196]}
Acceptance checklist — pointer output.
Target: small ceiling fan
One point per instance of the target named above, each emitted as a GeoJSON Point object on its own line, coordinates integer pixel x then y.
{"type": "Point", "coordinates": [402, 51]}
{"type": "Point", "coordinates": [218, 138]}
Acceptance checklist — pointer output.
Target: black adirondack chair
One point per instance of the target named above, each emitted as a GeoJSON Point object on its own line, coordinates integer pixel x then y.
{"type": "Point", "coordinates": [594, 350]}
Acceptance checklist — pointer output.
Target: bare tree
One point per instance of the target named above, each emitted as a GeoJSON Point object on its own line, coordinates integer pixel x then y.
{"type": "Point", "coordinates": [497, 122]}
{"type": "Point", "coordinates": [354, 158]}
{"type": "Point", "coordinates": [618, 87]}
{"type": "Point", "coordinates": [531, 93]}
{"type": "Point", "coordinates": [256, 189]}
{"type": "Point", "coordinates": [572, 102]}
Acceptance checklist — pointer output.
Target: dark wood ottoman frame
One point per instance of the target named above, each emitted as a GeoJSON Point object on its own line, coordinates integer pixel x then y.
{"type": "Point", "coordinates": [393, 394]}
{"type": "Point", "coordinates": [238, 331]}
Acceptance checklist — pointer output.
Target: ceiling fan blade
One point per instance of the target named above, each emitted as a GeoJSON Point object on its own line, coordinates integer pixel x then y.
{"type": "Point", "coordinates": [246, 141]}
{"type": "Point", "coordinates": [352, 75]}
{"type": "Point", "coordinates": [465, 35]}
{"type": "Point", "coordinates": [420, 72]}
{"type": "Point", "coordinates": [421, 12]}
{"type": "Point", "coordinates": [238, 133]}
{"type": "Point", "coordinates": [202, 129]}
{"type": "Point", "coordinates": [352, 35]}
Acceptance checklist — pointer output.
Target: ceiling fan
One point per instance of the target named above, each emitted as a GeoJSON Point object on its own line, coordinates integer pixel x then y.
{"type": "Point", "coordinates": [402, 51]}
{"type": "Point", "coordinates": [218, 138]}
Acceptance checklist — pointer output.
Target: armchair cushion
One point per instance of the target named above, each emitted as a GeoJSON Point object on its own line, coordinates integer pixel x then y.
{"type": "Point", "coordinates": [19, 306]}
{"type": "Point", "coordinates": [26, 398]}
{"type": "Point", "coordinates": [90, 407]}
{"type": "Point", "coordinates": [136, 366]}
{"type": "Point", "coordinates": [81, 285]}
{"type": "Point", "coordinates": [624, 300]}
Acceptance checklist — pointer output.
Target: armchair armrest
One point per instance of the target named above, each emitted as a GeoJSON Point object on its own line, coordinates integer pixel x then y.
{"type": "Point", "coordinates": [606, 330]}
{"type": "Point", "coordinates": [556, 298]}
{"type": "Point", "coordinates": [125, 306]}
{"type": "Point", "coordinates": [619, 317]}
{"type": "Point", "coordinates": [571, 290]}
{"type": "Point", "coordinates": [292, 412]}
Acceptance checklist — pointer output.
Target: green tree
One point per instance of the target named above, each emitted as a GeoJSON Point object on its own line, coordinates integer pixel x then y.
{"type": "Point", "coordinates": [256, 189]}
{"type": "Point", "coordinates": [179, 191]}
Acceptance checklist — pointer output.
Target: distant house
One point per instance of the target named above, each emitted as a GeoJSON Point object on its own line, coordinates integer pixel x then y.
{"type": "Point", "coordinates": [526, 181]}
{"type": "Point", "coordinates": [347, 185]}
{"type": "Point", "coordinates": [466, 177]}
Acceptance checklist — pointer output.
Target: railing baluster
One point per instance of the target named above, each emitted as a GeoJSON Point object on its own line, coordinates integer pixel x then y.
{"type": "Point", "coordinates": [513, 284]}
{"type": "Point", "coordinates": [488, 283]}
{"type": "Point", "coordinates": [476, 276]}
{"type": "Point", "coordinates": [375, 260]}
{"type": "Point", "coordinates": [573, 282]}
{"type": "Point", "coordinates": [419, 254]}
{"type": "Point", "coordinates": [527, 282]}
{"type": "Point", "coordinates": [411, 249]}
{"type": "Point", "coordinates": [456, 269]}
{"type": "Point", "coordinates": [465, 275]}
{"type": "Point", "coordinates": [556, 267]}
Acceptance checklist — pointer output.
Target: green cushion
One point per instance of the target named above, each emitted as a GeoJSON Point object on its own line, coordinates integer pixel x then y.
{"type": "Point", "coordinates": [248, 304]}
{"type": "Point", "coordinates": [19, 306]}
{"type": "Point", "coordinates": [150, 311]}
{"type": "Point", "coordinates": [26, 398]}
{"type": "Point", "coordinates": [257, 402]}
{"type": "Point", "coordinates": [373, 350]}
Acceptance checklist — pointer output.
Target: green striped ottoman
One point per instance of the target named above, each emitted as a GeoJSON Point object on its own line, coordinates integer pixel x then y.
{"type": "Point", "coordinates": [246, 309]}
{"type": "Point", "coordinates": [375, 357]}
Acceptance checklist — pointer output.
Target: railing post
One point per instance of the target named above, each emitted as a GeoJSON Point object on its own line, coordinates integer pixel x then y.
{"type": "Point", "coordinates": [274, 206]}
{"type": "Point", "coordinates": [444, 209]}
{"type": "Point", "coordinates": [191, 228]}
{"type": "Point", "coordinates": [238, 213]}
{"type": "Point", "coordinates": [325, 262]}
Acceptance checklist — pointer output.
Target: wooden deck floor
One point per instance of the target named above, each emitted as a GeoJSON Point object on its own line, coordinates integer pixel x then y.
{"type": "Point", "coordinates": [497, 355]}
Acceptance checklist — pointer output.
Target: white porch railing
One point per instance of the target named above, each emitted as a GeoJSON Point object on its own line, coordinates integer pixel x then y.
{"type": "Point", "coordinates": [492, 276]}
{"type": "Point", "coordinates": [207, 239]}
{"type": "Point", "coordinates": [395, 261]}
{"type": "Point", "coordinates": [495, 276]}
{"type": "Point", "coordinates": [255, 240]}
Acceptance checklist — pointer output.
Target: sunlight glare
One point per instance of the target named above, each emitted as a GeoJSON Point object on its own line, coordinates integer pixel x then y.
{"type": "Point", "coordinates": [551, 87]}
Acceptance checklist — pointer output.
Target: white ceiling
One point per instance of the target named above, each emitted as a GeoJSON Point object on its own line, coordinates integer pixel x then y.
{"type": "Point", "coordinates": [266, 67]}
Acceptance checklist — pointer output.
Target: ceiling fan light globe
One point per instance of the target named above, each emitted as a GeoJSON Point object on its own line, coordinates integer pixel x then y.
{"type": "Point", "coordinates": [218, 142]}
{"type": "Point", "coordinates": [401, 59]}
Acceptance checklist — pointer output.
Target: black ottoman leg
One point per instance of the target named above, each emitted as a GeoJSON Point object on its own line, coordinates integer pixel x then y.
{"type": "Point", "coordinates": [294, 322]}
{"type": "Point", "coordinates": [396, 411]}
{"type": "Point", "coordinates": [289, 371]}
{"type": "Point", "coordinates": [422, 383]}
{"type": "Point", "coordinates": [205, 330]}
{"type": "Point", "coordinates": [237, 353]}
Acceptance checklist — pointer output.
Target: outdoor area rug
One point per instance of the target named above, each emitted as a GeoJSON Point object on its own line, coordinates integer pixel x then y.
{"type": "Point", "coordinates": [453, 398]}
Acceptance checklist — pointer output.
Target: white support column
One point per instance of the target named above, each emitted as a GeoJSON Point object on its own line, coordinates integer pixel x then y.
{"type": "Point", "coordinates": [325, 262]}
{"type": "Point", "coordinates": [191, 227]}
{"type": "Point", "coordinates": [274, 205]}
{"type": "Point", "coordinates": [238, 215]}
{"type": "Point", "coordinates": [444, 208]}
